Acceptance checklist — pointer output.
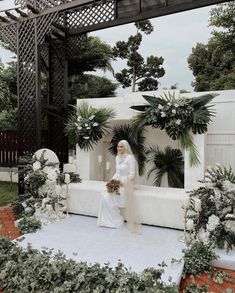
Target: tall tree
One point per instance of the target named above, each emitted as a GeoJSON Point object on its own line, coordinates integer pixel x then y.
{"type": "Point", "coordinates": [8, 86]}
{"type": "Point", "coordinates": [141, 73]}
{"type": "Point", "coordinates": [8, 96]}
{"type": "Point", "coordinates": [90, 86]}
{"type": "Point", "coordinates": [213, 64]}
{"type": "Point", "coordinates": [93, 54]}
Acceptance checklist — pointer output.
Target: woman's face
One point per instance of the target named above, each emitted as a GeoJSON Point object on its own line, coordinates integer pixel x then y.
{"type": "Point", "coordinates": [121, 148]}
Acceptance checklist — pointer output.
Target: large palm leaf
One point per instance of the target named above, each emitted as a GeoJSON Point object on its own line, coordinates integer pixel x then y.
{"type": "Point", "coordinates": [202, 113]}
{"type": "Point", "coordinates": [168, 161]}
{"type": "Point", "coordinates": [136, 142]}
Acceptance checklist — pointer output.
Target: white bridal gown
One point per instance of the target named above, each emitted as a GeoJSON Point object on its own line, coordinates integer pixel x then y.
{"type": "Point", "coordinates": [109, 213]}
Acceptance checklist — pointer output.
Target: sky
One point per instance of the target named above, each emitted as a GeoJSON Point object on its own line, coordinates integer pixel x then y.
{"type": "Point", "coordinates": [173, 38]}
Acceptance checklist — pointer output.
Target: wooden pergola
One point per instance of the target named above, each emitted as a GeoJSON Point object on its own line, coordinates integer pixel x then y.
{"type": "Point", "coordinates": [45, 34]}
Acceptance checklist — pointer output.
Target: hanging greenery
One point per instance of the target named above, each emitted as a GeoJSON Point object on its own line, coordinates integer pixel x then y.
{"type": "Point", "coordinates": [136, 142]}
{"type": "Point", "coordinates": [168, 161]}
{"type": "Point", "coordinates": [86, 125]}
{"type": "Point", "coordinates": [178, 117]}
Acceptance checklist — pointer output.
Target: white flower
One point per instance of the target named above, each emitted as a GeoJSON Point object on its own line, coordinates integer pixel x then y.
{"type": "Point", "coordinates": [178, 121]}
{"type": "Point", "coordinates": [24, 205]}
{"type": "Point", "coordinates": [230, 216]}
{"type": "Point", "coordinates": [229, 223]}
{"type": "Point", "coordinates": [28, 210]}
{"type": "Point", "coordinates": [197, 204]}
{"type": "Point", "coordinates": [213, 222]}
{"type": "Point", "coordinates": [169, 104]}
{"type": "Point", "coordinates": [88, 127]}
{"type": "Point", "coordinates": [91, 117]}
{"type": "Point", "coordinates": [163, 114]}
{"type": "Point", "coordinates": [79, 128]}
{"type": "Point", "coordinates": [95, 124]}
{"type": "Point", "coordinates": [58, 190]}
{"type": "Point", "coordinates": [217, 193]}
{"type": "Point", "coordinates": [173, 111]}
{"type": "Point", "coordinates": [49, 207]}
{"type": "Point", "coordinates": [190, 225]}
{"type": "Point", "coordinates": [86, 124]}
{"type": "Point", "coordinates": [160, 107]}
{"type": "Point", "coordinates": [186, 203]}
{"type": "Point", "coordinates": [36, 166]}
{"type": "Point", "coordinates": [52, 175]}
{"type": "Point", "coordinates": [47, 169]}
{"type": "Point", "coordinates": [203, 236]}
{"type": "Point", "coordinates": [228, 186]}
{"type": "Point", "coordinates": [45, 200]}
{"type": "Point", "coordinates": [176, 105]}
{"type": "Point", "coordinates": [79, 118]}
{"type": "Point", "coordinates": [209, 185]}
{"type": "Point", "coordinates": [86, 137]}
{"type": "Point", "coordinates": [66, 178]}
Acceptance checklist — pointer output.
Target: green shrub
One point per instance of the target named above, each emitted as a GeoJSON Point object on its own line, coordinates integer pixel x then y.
{"type": "Point", "coordinates": [24, 271]}
{"type": "Point", "coordinates": [198, 258]}
{"type": "Point", "coordinates": [29, 225]}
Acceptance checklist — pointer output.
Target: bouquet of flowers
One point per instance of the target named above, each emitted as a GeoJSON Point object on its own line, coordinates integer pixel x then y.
{"type": "Point", "coordinates": [178, 117]}
{"type": "Point", "coordinates": [86, 125]}
{"type": "Point", "coordinates": [113, 186]}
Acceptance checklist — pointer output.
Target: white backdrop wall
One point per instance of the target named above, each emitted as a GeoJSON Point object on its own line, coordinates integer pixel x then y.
{"type": "Point", "coordinates": [220, 138]}
{"type": "Point", "coordinates": [218, 145]}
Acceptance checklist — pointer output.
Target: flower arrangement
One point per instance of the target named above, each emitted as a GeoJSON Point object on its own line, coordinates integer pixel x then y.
{"type": "Point", "coordinates": [42, 196]}
{"type": "Point", "coordinates": [86, 125]}
{"type": "Point", "coordinates": [113, 186]}
{"type": "Point", "coordinates": [209, 210]}
{"type": "Point", "coordinates": [178, 117]}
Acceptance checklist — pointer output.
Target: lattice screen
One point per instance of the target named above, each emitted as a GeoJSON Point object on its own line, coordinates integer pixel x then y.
{"type": "Point", "coordinates": [73, 44]}
{"type": "Point", "coordinates": [27, 86]}
{"type": "Point", "coordinates": [58, 91]}
{"type": "Point", "coordinates": [41, 4]}
{"type": "Point", "coordinates": [8, 35]}
{"type": "Point", "coordinates": [91, 15]}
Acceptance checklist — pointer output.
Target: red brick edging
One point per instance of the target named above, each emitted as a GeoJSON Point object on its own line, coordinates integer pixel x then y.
{"type": "Point", "coordinates": [7, 225]}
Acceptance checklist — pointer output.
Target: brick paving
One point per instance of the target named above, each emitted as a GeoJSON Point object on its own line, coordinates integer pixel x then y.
{"type": "Point", "coordinates": [7, 226]}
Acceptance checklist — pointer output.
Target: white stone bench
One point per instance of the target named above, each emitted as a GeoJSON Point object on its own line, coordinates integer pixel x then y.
{"type": "Point", "coordinates": [156, 205]}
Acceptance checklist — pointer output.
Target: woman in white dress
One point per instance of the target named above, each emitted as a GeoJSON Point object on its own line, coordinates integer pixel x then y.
{"type": "Point", "coordinates": [111, 203]}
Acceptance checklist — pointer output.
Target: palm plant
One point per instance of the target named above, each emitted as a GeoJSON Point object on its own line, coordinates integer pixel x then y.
{"type": "Point", "coordinates": [136, 142]}
{"type": "Point", "coordinates": [168, 161]}
{"type": "Point", "coordinates": [86, 125]}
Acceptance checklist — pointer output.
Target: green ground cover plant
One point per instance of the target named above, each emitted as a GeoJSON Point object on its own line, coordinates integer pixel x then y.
{"type": "Point", "coordinates": [8, 193]}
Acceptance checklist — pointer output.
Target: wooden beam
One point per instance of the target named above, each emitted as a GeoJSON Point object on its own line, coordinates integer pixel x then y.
{"type": "Point", "coordinates": [59, 27]}
{"type": "Point", "coordinates": [23, 14]}
{"type": "Point", "coordinates": [12, 16]}
{"type": "Point", "coordinates": [31, 8]}
{"type": "Point", "coordinates": [4, 19]}
{"type": "Point", "coordinates": [151, 13]}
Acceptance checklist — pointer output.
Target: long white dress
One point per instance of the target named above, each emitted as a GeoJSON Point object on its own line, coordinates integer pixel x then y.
{"type": "Point", "coordinates": [109, 212]}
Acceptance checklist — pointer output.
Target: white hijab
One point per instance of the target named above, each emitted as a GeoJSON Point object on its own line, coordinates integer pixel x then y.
{"type": "Point", "coordinates": [128, 151]}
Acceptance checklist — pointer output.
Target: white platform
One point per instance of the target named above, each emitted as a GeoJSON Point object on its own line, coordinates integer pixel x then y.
{"type": "Point", "coordinates": [226, 259]}
{"type": "Point", "coordinates": [156, 206]}
{"type": "Point", "coordinates": [81, 235]}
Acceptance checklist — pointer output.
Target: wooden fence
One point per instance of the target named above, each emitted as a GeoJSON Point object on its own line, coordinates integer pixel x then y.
{"type": "Point", "coordinates": [8, 148]}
